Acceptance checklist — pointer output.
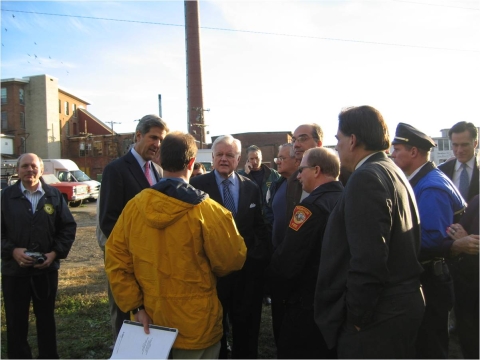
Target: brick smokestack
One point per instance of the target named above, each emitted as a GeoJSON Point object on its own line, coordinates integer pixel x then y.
{"type": "Point", "coordinates": [194, 72]}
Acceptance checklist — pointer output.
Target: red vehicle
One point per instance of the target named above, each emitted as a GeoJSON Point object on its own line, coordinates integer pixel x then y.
{"type": "Point", "coordinates": [73, 192]}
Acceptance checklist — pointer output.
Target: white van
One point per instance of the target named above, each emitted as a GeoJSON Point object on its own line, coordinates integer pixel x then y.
{"type": "Point", "coordinates": [67, 170]}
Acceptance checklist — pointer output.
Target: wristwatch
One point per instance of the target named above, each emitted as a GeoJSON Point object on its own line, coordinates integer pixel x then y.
{"type": "Point", "coordinates": [136, 310]}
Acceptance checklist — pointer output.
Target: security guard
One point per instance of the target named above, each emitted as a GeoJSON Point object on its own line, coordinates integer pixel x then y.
{"type": "Point", "coordinates": [296, 260]}
{"type": "Point", "coordinates": [439, 204]}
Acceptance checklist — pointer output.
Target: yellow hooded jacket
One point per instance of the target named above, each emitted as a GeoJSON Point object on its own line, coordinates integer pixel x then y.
{"type": "Point", "coordinates": [165, 252]}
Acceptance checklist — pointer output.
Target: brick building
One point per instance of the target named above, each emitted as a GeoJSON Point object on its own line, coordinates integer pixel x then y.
{"type": "Point", "coordinates": [40, 117]}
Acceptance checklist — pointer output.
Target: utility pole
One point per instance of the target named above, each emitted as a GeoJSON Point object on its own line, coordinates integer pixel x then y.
{"type": "Point", "coordinates": [111, 124]}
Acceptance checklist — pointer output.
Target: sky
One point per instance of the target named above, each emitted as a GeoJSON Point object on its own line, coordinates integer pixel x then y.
{"type": "Point", "coordinates": [266, 65]}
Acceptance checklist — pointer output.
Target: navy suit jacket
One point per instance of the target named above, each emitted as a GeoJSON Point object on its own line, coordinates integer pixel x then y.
{"type": "Point", "coordinates": [122, 179]}
{"type": "Point", "coordinates": [448, 168]}
{"type": "Point", "coordinates": [249, 219]}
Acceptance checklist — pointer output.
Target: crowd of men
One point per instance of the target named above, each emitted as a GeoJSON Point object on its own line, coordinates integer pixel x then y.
{"type": "Point", "coordinates": [362, 254]}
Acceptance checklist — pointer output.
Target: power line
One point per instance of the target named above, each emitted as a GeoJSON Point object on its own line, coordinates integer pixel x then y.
{"type": "Point", "coordinates": [252, 32]}
{"type": "Point", "coordinates": [440, 5]}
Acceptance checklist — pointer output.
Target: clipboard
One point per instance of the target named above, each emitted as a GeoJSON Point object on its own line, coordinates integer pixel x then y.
{"type": "Point", "coordinates": [133, 343]}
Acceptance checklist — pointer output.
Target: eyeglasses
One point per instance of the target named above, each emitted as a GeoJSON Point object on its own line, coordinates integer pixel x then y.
{"type": "Point", "coordinates": [279, 159]}
{"type": "Point", "coordinates": [301, 168]}
{"type": "Point", "coordinates": [301, 139]}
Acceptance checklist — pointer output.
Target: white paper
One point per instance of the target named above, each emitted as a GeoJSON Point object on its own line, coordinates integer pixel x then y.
{"type": "Point", "coordinates": [133, 343]}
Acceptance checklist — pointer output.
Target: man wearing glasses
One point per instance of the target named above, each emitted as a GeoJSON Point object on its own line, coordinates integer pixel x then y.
{"type": "Point", "coordinates": [306, 136]}
{"type": "Point", "coordinates": [294, 264]}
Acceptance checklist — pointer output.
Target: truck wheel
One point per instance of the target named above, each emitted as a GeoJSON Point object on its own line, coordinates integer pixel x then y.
{"type": "Point", "coordinates": [75, 203]}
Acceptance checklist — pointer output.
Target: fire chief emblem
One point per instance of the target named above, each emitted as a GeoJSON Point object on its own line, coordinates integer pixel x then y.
{"type": "Point", "coordinates": [300, 216]}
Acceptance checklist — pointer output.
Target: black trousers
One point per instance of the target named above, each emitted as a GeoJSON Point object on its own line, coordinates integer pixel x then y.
{"type": "Point", "coordinates": [300, 338]}
{"type": "Point", "coordinates": [241, 295]}
{"type": "Point", "coordinates": [466, 288]}
{"type": "Point", "coordinates": [18, 292]}
{"type": "Point", "coordinates": [392, 333]}
{"type": "Point", "coordinates": [432, 340]}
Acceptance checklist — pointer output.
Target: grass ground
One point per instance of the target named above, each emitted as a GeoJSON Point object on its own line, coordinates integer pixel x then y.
{"type": "Point", "coordinates": [83, 321]}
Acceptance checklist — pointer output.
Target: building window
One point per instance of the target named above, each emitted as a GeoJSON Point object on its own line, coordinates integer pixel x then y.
{"type": "Point", "coordinates": [67, 128]}
{"type": "Point", "coordinates": [443, 144]}
{"type": "Point", "coordinates": [59, 106]}
{"type": "Point", "coordinates": [74, 110]}
{"type": "Point", "coordinates": [4, 120]}
{"type": "Point", "coordinates": [23, 145]}
{"type": "Point", "coordinates": [4, 96]}
{"type": "Point", "coordinates": [75, 131]}
{"type": "Point", "coordinates": [97, 148]}
{"type": "Point", "coordinates": [82, 149]}
{"type": "Point", "coordinates": [67, 109]}
{"type": "Point", "coordinates": [22, 120]}
{"type": "Point", "coordinates": [21, 96]}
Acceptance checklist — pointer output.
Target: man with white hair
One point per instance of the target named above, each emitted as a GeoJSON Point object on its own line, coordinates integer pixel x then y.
{"type": "Point", "coordinates": [240, 293]}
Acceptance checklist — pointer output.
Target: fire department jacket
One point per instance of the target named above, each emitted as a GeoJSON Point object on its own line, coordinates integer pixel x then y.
{"type": "Point", "coordinates": [166, 251]}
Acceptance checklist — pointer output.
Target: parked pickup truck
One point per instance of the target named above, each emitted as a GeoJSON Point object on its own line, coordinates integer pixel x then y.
{"type": "Point", "coordinates": [73, 192]}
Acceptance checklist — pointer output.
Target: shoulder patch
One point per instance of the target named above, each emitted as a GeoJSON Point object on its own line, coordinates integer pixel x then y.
{"type": "Point", "coordinates": [300, 216]}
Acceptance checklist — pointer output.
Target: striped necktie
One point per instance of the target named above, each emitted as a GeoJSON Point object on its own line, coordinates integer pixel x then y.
{"type": "Point", "coordinates": [147, 173]}
{"type": "Point", "coordinates": [228, 198]}
{"type": "Point", "coordinates": [464, 182]}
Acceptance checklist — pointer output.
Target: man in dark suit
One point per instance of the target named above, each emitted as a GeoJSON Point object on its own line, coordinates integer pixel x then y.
{"type": "Point", "coordinates": [240, 293]}
{"type": "Point", "coordinates": [124, 178]}
{"type": "Point", "coordinates": [464, 138]}
{"type": "Point", "coordinates": [368, 300]}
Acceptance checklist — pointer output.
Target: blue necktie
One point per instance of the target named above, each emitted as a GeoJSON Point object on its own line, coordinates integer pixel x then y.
{"type": "Point", "coordinates": [464, 182]}
{"type": "Point", "coordinates": [228, 198]}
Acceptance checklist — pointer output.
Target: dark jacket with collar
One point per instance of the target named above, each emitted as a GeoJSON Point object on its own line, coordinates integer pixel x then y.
{"type": "Point", "coordinates": [122, 179]}
{"type": "Point", "coordinates": [51, 228]}
{"type": "Point", "coordinates": [370, 247]}
{"type": "Point", "coordinates": [249, 220]}
{"type": "Point", "coordinates": [448, 168]}
{"type": "Point", "coordinates": [295, 262]}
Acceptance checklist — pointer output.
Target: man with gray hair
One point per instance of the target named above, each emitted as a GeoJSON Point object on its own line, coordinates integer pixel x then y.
{"type": "Point", "coordinates": [124, 178]}
{"type": "Point", "coordinates": [240, 293]}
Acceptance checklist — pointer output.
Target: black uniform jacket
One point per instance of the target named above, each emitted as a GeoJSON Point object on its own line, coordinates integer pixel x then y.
{"type": "Point", "coordinates": [122, 179]}
{"type": "Point", "coordinates": [51, 227]}
{"type": "Point", "coordinates": [370, 247]}
{"type": "Point", "coordinates": [294, 264]}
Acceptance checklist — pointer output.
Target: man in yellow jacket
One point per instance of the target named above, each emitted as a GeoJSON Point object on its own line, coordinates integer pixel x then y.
{"type": "Point", "coordinates": [166, 251]}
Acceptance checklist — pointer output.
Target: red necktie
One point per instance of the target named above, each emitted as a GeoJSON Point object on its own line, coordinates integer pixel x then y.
{"type": "Point", "coordinates": [147, 173]}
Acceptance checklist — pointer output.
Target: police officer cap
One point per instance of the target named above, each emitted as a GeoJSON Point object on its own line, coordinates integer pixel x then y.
{"type": "Point", "coordinates": [407, 134]}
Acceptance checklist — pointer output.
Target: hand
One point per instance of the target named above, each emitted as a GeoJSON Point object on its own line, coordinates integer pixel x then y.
{"type": "Point", "coordinates": [248, 167]}
{"type": "Point", "coordinates": [20, 257]}
{"type": "Point", "coordinates": [142, 317]}
{"type": "Point", "coordinates": [466, 245]}
{"type": "Point", "coordinates": [456, 231]}
{"type": "Point", "coordinates": [50, 258]}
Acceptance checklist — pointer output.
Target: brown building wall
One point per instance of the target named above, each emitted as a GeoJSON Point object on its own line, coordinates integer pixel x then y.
{"type": "Point", "coordinates": [100, 151]}
{"type": "Point", "coordinates": [14, 108]}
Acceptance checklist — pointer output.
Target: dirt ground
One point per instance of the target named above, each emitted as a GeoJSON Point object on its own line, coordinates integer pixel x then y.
{"type": "Point", "coordinates": [85, 252]}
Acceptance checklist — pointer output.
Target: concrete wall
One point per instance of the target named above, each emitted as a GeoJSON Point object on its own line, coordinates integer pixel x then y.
{"type": "Point", "coordinates": [42, 117]}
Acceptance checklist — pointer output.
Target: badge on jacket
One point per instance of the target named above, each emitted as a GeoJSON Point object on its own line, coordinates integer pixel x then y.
{"type": "Point", "coordinates": [300, 217]}
{"type": "Point", "coordinates": [49, 209]}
